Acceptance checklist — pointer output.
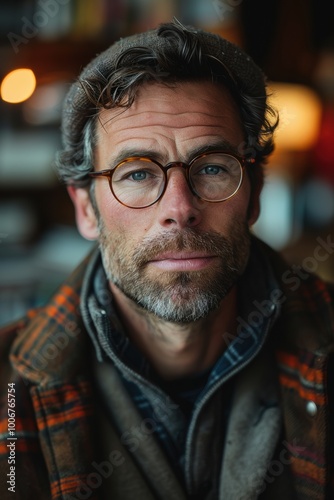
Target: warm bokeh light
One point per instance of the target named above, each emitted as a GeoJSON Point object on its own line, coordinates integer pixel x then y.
{"type": "Point", "coordinates": [18, 85]}
{"type": "Point", "coordinates": [300, 112]}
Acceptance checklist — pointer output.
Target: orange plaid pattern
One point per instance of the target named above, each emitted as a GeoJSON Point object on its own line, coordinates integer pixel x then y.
{"type": "Point", "coordinates": [55, 429]}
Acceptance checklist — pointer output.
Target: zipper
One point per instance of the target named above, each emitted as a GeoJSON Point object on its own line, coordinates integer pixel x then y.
{"type": "Point", "coordinates": [198, 409]}
{"type": "Point", "coordinates": [208, 395]}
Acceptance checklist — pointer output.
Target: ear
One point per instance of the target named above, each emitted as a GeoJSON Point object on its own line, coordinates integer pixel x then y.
{"type": "Point", "coordinates": [84, 212]}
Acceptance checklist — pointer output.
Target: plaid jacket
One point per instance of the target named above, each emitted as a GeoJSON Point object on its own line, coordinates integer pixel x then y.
{"type": "Point", "coordinates": [48, 431]}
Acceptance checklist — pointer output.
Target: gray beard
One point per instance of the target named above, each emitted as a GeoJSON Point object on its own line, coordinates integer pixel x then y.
{"type": "Point", "coordinates": [177, 297]}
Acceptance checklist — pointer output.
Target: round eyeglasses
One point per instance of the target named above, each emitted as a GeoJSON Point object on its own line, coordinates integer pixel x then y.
{"type": "Point", "coordinates": [139, 182]}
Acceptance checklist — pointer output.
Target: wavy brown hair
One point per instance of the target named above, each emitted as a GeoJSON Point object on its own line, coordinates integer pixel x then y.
{"type": "Point", "coordinates": [183, 60]}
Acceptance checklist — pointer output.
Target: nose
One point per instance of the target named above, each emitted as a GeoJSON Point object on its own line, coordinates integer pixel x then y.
{"type": "Point", "coordinates": [179, 206]}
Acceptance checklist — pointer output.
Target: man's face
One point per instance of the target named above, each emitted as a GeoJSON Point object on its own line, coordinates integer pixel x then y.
{"type": "Point", "coordinates": [179, 257]}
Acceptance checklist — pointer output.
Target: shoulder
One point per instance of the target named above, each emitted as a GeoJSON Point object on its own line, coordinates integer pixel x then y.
{"type": "Point", "coordinates": [8, 335]}
{"type": "Point", "coordinates": [9, 332]}
{"type": "Point", "coordinates": [307, 304]}
{"type": "Point", "coordinates": [295, 281]}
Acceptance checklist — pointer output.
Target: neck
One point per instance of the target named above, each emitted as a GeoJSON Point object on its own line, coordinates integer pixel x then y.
{"type": "Point", "coordinates": [177, 350]}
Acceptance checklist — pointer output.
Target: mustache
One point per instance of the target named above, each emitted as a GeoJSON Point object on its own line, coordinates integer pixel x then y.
{"type": "Point", "coordinates": [210, 242]}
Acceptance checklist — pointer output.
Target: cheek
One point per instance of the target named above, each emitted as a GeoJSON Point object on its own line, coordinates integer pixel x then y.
{"type": "Point", "coordinates": [236, 208]}
{"type": "Point", "coordinates": [106, 203]}
{"type": "Point", "coordinates": [118, 219]}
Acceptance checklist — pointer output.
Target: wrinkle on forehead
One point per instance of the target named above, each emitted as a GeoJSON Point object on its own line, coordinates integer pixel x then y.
{"type": "Point", "coordinates": [184, 94]}
{"type": "Point", "coordinates": [168, 120]}
{"type": "Point", "coordinates": [170, 117]}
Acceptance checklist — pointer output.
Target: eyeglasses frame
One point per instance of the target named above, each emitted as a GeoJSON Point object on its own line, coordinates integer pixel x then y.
{"type": "Point", "coordinates": [109, 172]}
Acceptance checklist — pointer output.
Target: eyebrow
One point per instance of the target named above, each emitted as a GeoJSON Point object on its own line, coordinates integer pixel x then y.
{"type": "Point", "coordinates": [136, 152]}
{"type": "Point", "coordinates": [220, 145]}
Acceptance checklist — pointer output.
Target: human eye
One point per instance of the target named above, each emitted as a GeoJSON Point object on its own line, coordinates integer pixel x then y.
{"type": "Point", "coordinates": [211, 170]}
{"type": "Point", "coordinates": [216, 166]}
{"type": "Point", "coordinates": [136, 173]}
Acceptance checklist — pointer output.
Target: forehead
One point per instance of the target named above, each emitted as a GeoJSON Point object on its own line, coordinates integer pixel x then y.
{"type": "Point", "coordinates": [171, 120]}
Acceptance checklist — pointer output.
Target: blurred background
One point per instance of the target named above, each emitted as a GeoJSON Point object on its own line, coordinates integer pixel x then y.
{"type": "Point", "coordinates": [43, 46]}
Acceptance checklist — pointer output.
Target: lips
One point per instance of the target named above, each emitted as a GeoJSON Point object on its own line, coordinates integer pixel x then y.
{"type": "Point", "coordinates": [184, 250]}
{"type": "Point", "coordinates": [182, 261]}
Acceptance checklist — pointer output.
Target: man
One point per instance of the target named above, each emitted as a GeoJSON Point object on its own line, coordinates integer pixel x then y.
{"type": "Point", "coordinates": [183, 358]}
